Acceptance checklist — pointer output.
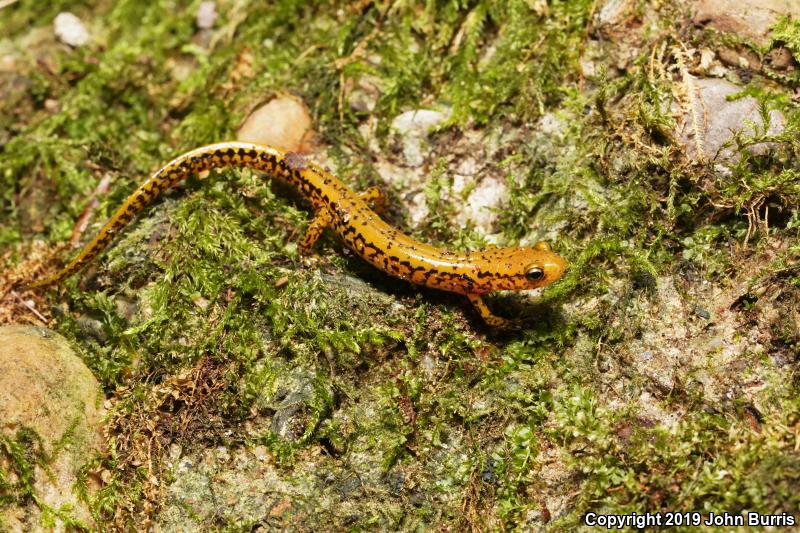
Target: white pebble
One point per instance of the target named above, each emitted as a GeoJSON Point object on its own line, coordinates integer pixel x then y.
{"type": "Point", "coordinates": [206, 15]}
{"type": "Point", "coordinates": [419, 121]}
{"type": "Point", "coordinates": [70, 30]}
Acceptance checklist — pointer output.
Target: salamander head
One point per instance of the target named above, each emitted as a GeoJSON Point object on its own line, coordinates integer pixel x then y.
{"type": "Point", "coordinates": [522, 268]}
{"type": "Point", "coordinates": [546, 267]}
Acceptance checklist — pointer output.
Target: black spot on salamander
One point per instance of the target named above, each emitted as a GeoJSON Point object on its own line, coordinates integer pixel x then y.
{"type": "Point", "coordinates": [371, 252]}
{"type": "Point", "coordinates": [464, 277]}
{"type": "Point", "coordinates": [296, 161]}
{"type": "Point", "coordinates": [428, 274]}
{"type": "Point", "coordinates": [345, 229]}
{"type": "Point", "coordinates": [314, 191]}
{"type": "Point", "coordinates": [359, 243]}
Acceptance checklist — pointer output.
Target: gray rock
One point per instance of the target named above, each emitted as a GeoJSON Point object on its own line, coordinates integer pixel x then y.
{"type": "Point", "coordinates": [291, 420]}
{"type": "Point", "coordinates": [299, 404]}
{"type": "Point", "coordinates": [413, 127]}
{"type": "Point", "coordinates": [418, 121]}
{"type": "Point", "coordinates": [751, 19]}
{"type": "Point", "coordinates": [220, 486]}
{"type": "Point", "coordinates": [614, 12]}
{"type": "Point", "coordinates": [715, 119]}
{"type": "Point", "coordinates": [92, 328]}
{"type": "Point", "coordinates": [483, 205]}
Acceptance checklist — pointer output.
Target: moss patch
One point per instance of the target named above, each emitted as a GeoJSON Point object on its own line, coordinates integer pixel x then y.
{"type": "Point", "coordinates": [202, 321]}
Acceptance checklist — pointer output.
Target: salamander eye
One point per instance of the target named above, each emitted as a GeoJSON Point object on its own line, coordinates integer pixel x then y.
{"type": "Point", "coordinates": [534, 273]}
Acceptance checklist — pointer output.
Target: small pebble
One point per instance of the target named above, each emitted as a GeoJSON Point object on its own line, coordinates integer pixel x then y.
{"type": "Point", "coordinates": [283, 122]}
{"type": "Point", "coordinates": [206, 15]}
{"type": "Point", "coordinates": [70, 30]}
{"type": "Point", "coordinates": [702, 313]}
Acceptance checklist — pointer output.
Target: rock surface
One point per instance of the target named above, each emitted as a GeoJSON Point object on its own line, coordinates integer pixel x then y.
{"type": "Point", "coordinates": [710, 114]}
{"type": "Point", "coordinates": [219, 485]}
{"type": "Point", "coordinates": [292, 401]}
{"type": "Point", "coordinates": [749, 18]}
{"type": "Point", "coordinates": [614, 12]}
{"type": "Point", "coordinates": [413, 127]}
{"type": "Point", "coordinates": [50, 405]}
{"type": "Point", "coordinates": [483, 205]}
{"type": "Point", "coordinates": [283, 122]}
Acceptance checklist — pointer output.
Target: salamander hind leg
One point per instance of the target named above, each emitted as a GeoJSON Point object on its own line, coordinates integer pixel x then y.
{"type": "Point", "coordinates": [490, 318]}
{"type": "Point", "coordinates": [322, 219]}
{"type": "Point", "coordinates": [376, 198]}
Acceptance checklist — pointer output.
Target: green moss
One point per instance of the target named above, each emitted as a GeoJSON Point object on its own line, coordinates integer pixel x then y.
{"type": "Point", "coordinates": [185, 323]}
{"type": "Point", "coordinates": [22, 454]}
{"type": "Point", "coordinates": [787, 33]}
{"type": "Point", "coordinates": [21, 458]}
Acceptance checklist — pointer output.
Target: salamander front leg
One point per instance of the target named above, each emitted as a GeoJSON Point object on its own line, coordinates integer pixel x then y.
{"type": "Point", "coordinates": [376, 199]}
{"type": "Point", "coordinates": [491, 319]}
{"type": "Point", "coordinates": [321, 220]}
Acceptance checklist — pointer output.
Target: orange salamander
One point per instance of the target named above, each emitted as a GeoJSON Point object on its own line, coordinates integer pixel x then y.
{"type": "Point", "coordinates": [353, 217]}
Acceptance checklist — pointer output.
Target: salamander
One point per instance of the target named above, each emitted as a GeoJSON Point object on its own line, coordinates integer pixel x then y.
{"type": "Point", "coordinates": [354, 218]}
